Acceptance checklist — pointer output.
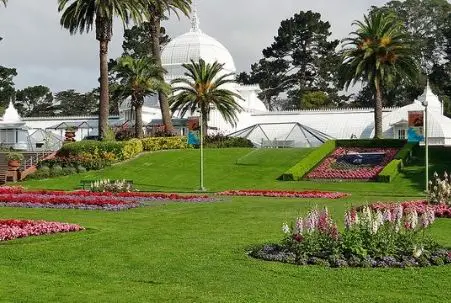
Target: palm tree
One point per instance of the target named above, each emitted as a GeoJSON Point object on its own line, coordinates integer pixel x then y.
{"type": "Point", "coordinates": [377, 53]}
{"type": "Point", "coordinates": [81, 16]}
{"type": "Point", "coordinates": [156, 11]}
{"type": "Point", "coordinates": [139, 78]}
{"type": "Point", "coordinates": [202, 89]}
{"type": "Point", "coordinates": [4, 2]}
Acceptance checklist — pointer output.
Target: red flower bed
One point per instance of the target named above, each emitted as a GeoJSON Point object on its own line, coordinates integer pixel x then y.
{"type": "Point", "coordinates": [285, 194]}
{"type": "Point", "coordinates": [331, 169]}
{"type": "Point", "coordinates": [421, 206]}
{"type": "Point", "coordinates": [18, 197]}
{"type": "Point", "coordinates": [12, 229]}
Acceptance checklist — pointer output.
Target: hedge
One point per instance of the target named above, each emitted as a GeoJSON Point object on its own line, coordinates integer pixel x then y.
{"type": "Point", "coordinates": [92, 147]}
{"type": "Point", "coordinates": [296, 172]}
{"type": "Point", "coordinates": [390, 171]}
{"type": "Point", "coordinates": [132, 148]}
{"type": "Point", "coordinates": [309, 162]}
{"type": "Point", "coordinates": [406, 152]}
{"type": "Point", "coordinates": [160, 143]}
{"type": "Point", "coordinates": [370, 143]}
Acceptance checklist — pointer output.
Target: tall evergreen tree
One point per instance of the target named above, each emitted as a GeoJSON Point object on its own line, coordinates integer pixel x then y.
{"type": "Point", "coordinates": [35, 101]}
{"type": "Point", "coordinates": [301, 60]}
{"type": "Point", "coordinates": [377, 53]}
{"type": "Point", "coordinates": [7, 89]}
{"type": "Point", "coordinates": [81, 16]}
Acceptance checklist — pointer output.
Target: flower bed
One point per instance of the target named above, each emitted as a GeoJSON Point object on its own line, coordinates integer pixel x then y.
{"type": "Point", "coordinates": [285, 194]}
{"type": "Point", "coordinates": [334, 168]}
{"type": "Point", "coordinates": [18, 197]}
{"type": "Point", "coordinates": [371, 238]}
{"type": "Point", "coordinates": [12, 229]}
{"type": "Point", "coordinates": [420, 206]}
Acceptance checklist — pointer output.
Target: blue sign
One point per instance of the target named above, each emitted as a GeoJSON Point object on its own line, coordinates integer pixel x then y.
{"type": "Point", "coordinates": [414, 135]}
{"type": "Point", "coordinates": [193, 139]}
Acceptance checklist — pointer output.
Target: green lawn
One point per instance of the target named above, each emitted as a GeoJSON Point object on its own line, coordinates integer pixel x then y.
{"type": "Point", "coordinates": [178, 171]}
{"type": "Point", "coordinates": [196, 252]}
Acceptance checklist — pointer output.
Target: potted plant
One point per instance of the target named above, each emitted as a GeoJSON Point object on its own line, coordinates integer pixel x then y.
{"type": "Point", "coordinates": [70, 134]}
{"type": "Point", "coordinates": [14, 159]}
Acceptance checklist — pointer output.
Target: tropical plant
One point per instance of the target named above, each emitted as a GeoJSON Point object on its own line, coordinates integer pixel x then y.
{"type": "Point", "coordinates": [139, 78]}
{"type": "Point", "coordinates": [378, 53]}
{"type": "Point", "coordinates": [203, 88]}
{"type": "Point", "coordinates": [81, 16]}
{"type": "Point", "coordinates": [156, 11]}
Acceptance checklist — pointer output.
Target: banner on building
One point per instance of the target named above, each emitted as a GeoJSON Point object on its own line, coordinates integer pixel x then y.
{"type": "Point", "coordinates": [415, 132]}
{"type": "Point", "coordinates": [193, 131]}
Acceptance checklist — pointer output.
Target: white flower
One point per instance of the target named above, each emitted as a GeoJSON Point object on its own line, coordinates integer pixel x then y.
{"type": "Point", "coordinates": [285, 228]}
{"type": "Point", "coordinates": [417, 251]}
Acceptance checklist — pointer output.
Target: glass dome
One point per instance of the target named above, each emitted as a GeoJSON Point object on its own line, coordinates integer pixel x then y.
{"type": "Point", "coordinates": [194, 45]}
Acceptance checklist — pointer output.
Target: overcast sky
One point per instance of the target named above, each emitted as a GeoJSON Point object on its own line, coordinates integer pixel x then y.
{"type": "Point", "coordinates": [46, 54]}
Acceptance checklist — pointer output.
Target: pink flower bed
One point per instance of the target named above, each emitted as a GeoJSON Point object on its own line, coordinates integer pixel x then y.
{"type": "Point", "coordinates": [326, 169]}
{"type": "Point", "coordinates": [420, 206]}
{"type": "Point", "coordinates": [12, 229]}
{"type": "Point", "coordinates": [18, 197]}
{"type": "Point", "coordinates": [285, 194]}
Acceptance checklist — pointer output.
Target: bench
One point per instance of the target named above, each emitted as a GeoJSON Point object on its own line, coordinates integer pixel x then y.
{"type": "Point", "coordinates": [86, 184]}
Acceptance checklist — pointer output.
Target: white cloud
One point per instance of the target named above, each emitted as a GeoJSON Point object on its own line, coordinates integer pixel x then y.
{"type": "Point", "coordinates": [46, 54]}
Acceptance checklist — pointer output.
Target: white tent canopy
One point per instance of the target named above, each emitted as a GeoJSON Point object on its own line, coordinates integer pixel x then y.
{"type": "Point", "coordinates": [280, 135]}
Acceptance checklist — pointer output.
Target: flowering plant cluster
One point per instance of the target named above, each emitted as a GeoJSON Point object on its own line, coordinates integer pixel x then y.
{"type": "Point", "coordinates": [285, 194]}
{"type": "Point", "coordinates": [420, 206]}
{"type": "Point", "coordinates": [12, 229]}
{"type": "Point", "coordinates": [18, 197]}
{"type": "Point", "coordinates": [116, 186]}
{"type": "Point", "coordinates": [333, 168]}
{"type": "Point", "coordinates": [371, 238]}
{"type": "Point", "coordinates": [440, 189]}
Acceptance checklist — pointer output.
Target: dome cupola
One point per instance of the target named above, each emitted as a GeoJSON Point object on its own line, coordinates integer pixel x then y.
{"type": "Point", "coordinates": [194, 45]}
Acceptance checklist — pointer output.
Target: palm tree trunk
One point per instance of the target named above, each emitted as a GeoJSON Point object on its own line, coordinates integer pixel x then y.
{"type": "Point", "coordinates": [104, 105]}
{"type": "Point", "coordinates": [139, 120]}
{"type": "Point", "coordinates": [204, 121]}
{"type": "Point", "coordinates": [378, 112]}
{"type": "Point", "coordinates": [104, 32]}
{"type": "Point", "coordinates": [155, 27]}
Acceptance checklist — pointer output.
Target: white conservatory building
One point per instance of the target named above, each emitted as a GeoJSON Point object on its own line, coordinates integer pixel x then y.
{"type": "Point", "coordinates": [331, 123]}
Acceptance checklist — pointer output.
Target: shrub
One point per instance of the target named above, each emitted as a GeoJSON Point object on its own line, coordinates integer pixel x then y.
{"type": "Point", "coordinates": [309, 162]}
{"type": "Point", "coordinates": [160, 143]}
{"type": "Point", "coordinates": [221, 141]}
{"type": "Point", "coordinates": [56, 171]}
{"type": "Point", "coordinates": [69, 171]}
{"type": "Point", "coordinates": [132, 148]}
{"type": "Point", "coordinates": [81, 169]}
{"type": "Point", "coordinates": [41, 173]}
{"type": "Point", "coordinates": [390, 171]}
{"type": "Point", "coordinates": [91, 147]}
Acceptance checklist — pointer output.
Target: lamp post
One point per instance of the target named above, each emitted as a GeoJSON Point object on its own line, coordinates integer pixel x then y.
{"type": "Point", "coordinates": [201, 124]}
{"type": "Point", "coordinates": [426, 141]}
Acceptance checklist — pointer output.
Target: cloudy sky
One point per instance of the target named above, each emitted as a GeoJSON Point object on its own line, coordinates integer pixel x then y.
{"type": "Point", "coordinates": [45, 54]}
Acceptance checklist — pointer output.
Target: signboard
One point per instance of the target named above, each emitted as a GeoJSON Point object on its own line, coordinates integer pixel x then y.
{"type": "Point", "coordinates": [416, 126]}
